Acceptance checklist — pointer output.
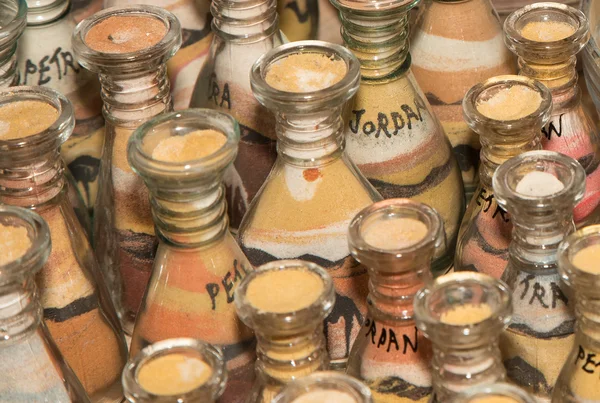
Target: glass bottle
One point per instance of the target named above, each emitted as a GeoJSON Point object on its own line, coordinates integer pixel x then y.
{"type": "Point", "coordinates": [448, 61]}
{"type": "Point", "coordinates": [298, 19]}
{"type": "Point", "coordinates": [46, 58]}
{"type": "Point", "coordinates": [305, 206]}
{"type": "Point", "coordinates": [243, 31]}
{"type": "Point", "coordinates": [485, 232]}
{"type": "Point", "coordinates": [285, 303]}
{"type": "Point", "coordinates": [546, 37]}
{"type": "Point", "coordinates": [32, 368]}
{"type": "Point", "coordinates": [579, 379]}
{"type": "Point", "coordinates": [13, 19]}
{"type": "Point", "coordinates": [392, 134]}
{"type": "Point", "coordinates": [328, 386]}
{"type": "Point", "coordinates": [396, 240]}
{"type": "Point", "coordinates": [175, 370]}
{"type": "Point", "coordinates": [198, 264]}
{"type": "Point", "coordinates": [463, 315]}
{"type": "Point", "coordinates": [135, 89]}
{"type": "Point", "coordinates": [183, 68]}
{"type": "Point", "coordinates": [504, 392]}
{"type": "Point", "coordinates": [77, 307]}
{"type": "Point", "coordinates": [539, 190]}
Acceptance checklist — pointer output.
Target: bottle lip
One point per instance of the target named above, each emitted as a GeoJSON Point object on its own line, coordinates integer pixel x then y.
{"type": "Point", "coordinates": [483, 124]}
{"type": "Point", "coordinates": [25, 148]}
{"type": "Point", "coordinates": [565, 169]}
{"type": "Point", "coordinates": [375, 6]}
{"type": "Point", "coordinates": [285, 323]}
{"type": "Point", "coordinates": [496, 389]}
{"type": "Point", "coordinates": [325, 380]}
{"type": "Point", "coordinates": [11, 30]}
{"type": "Point", "coordinates": [398, 208]}
{"type": "Point", "coordinates": [544, 52]}
{"type": "Point", "coordinates": [305, 102]}
{"type": "Point", "coordinates": [583, 281]}
{"type": "Point", "coordinates": [39, 251]}
{"type": "Point", "coordinates": [123, 63]}
{"type": "Point", "coordinates": [139, 148]}
{"type": "Point", "coordinates": [457, 289]}
{"type": "Point", "coordinates": [212, 355]}
{"type": "Point", "coordinates": [40, 12]}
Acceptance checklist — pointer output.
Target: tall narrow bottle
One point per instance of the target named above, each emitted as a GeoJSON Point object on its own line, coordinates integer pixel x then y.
{"type": "Point", "coordinates": [33, 369]}
{"type": "Point", "coordinates": [463, 315]}
{"type": "Point", "coordinates": [539, 190]}
{"type": "Point", "coordinates": [448, 61]}
{"type": "Point", "coordinates": [304, 208]}
{"type": "Point", "coordinates": [579, 379]}
{"type": "Point", "coordinates": [243, 31]}
{"type": "Point", "coordinates": [175, 370]}
{"type": "Point", "coordinates": [546, 37]}
{"type": "Point", "coordinates": [128, 48]}
{"type": "Point", "coordinates": [392, 134]}
{"type": "Point", "coordinates": [182, 157]}
{"type": "Point", "coordinates": [13, 15]}
{"type": "Point", "coordinates": [396, 240]}
{"type": "Point", "coordinates": [507, 112]}
{"type": "Point", "coordinates": [46, 58]}
{"type": "Point", "coordinates": [285, 303]}
{"type": "Point", "coordinates": [77, 307]}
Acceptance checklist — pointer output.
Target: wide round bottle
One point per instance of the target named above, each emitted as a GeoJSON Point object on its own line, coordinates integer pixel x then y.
{"type": "Point", "coordinates": [448, 61]}
{"type": "Point", "coordinates": [391, 132]}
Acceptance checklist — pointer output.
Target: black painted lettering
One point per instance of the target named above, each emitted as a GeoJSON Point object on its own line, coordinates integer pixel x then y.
{"type": "Point", "coordinates": [69, 62]}
{"type": "Point", "coordinates": [372, 331]}
{"type": "Point", "coordinates": [56, 61]}
{"type": "Point", "coordinates": [552, 128]}
{"type": "Point", "coordinates": [409, 342]}
{"type": "Point", "coordinates": [358, 114]}
{"type": "Point", "coordinates": [420, 105]}
{"type": "Point", "coordinates": [382, 338]}
{"type": "Point", "coordinates": [213, 89]}
{"type": "Point", "coordinates": [398, 122]}
{"type": "Point", "coordinates": [557, 294]}
{"type": "Point", "coordinates": [580, 354]}
{"type": "Point", "coordinates": [394, 341]}
{"type": "Point", "coordinates": [539, 292]}
{"type": "Point", "coordinates": [30, 69]}
{"type": "Point", "coordinates": [228, 286]}
{"type": "Point", "coordinates": [590, 364]}
{"type": "Point", "coordinates": [226, 97]}
{"type": "Point", "coordinates": [213, 290]}
{"type": "Point", "coordinates": [42, 70]}
{"type": "Point", "coordinates": [382, 124]}
{"type": "Point", "coordinates": [369, 128]}
{"type": "Point", "coordinates": [410, 114]}
{"type": "Point", "coordinates": [526, 282]}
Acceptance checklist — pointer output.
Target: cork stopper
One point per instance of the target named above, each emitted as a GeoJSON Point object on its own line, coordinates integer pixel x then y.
{"type": "Point", "coordinates": [325, 396]}
{"type": "Point", "coordinates": [512, 103]}
{"type": "Point", "coordinates": [587, 259]}
{"type": "Point", "coordinates": [494, 399]}
{"type": "Point", "coordinates": [173, 374]}
{"type": "Point", "coordinates": [466, 314]}
{"type": "Point", "coordinates": [547, 31]}
{"type": "Point", "coordinates": [14, 243]}
{"type": "Point", "coordinates": [395, 233]}
{"type": "Point", "coordinates": [539, 184]}
{"type": "Point", "coordinates": [25, 118]}
{"type": "Point", "coordinates": [125, 34]}
{"type": "Point", "coordinates": [305, 72]}
{"type": "Point", "coordinates": [284, 291]}
{"type": "Point", "coordinates": [191, 146]}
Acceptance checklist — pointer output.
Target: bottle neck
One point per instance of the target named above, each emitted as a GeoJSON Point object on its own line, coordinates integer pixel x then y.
{"type": "Point", "coordinates": [130, 100]}
{"type": "Point", "coordinates": [310, 140]}
{"type": "Point", "coordinates": [537, 235]}
{"type": "Point", "coordinates": [560, 77]}
{"type": "Point", "coordinates": [31, 183]}
{"type": "Point", "coordinates": [20, 311]}
{"type": "Point", "coordinates": [380, 42]}
{"type": "Point", "coordinates": [244, 21]}
{"type": "Point", "coordinates": [8, 66]}
{"type": "Point", "coordinates": [281, 359]}
{"type": "Point", "coordinates": [46, 11]}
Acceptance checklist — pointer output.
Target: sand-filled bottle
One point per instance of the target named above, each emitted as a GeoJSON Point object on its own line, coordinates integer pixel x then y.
{"type": "Point", "coordinates": [396, 240]}
{"type": "Point", "coordinates": [33, 369]}
{"type": "Point", "coordinates": [175, 370]}
{"type": "Point", "coordinates": [305, 206]}
{"type": "Point", "coordinates": [539, 190]}
{"type": "Point", "coordinates": [463, 315]}
{"type": "Point", "coordinates": [13, 20]}
{"type": "Point", "coordinates": [285, 303]}
{"type": "Point", "coordinates": [448, 61]}
{"type": "Point", "coordinates": [243, 31]}
{"type": "Point", "coordinates": [46, 58]}
{"type": "Point", "coordinates": [494, 393]}
{"type": "Point", "coordinates": [546, 37]}
{"type": "Point", "coordinates": [182, 157]}
{"type": "Point", "coordinates": [579, 379]}
{"type": "Point", "coordinates": [298, 19]}
{"type": "Point", "coordinates": [78, 311]}
{"type": "Point", "coordinates": [128, 48]}
{"type": "Point", "coordinates": [391, 132]}
{"type": "Point", "coordinates": [507, 112]}
{"type": "Point", "coordinates": [325, 386]}
{"type": "Point", "coordinates": [183, 68]}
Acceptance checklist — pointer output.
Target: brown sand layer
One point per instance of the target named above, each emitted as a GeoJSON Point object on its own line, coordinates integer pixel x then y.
{"type": "Point", "coordinates": [512, 103]}
{"type": "Point", "coordinates": [547, 31]}
{"type": "Point", "coordinates": [14, 243]}
{"type": "Point", "coordinates": [466, 314]}
{"type": "Point", "coordinates": [305, 72]}
{"type": "Point", "coordinates": [173, 374]}
{"type": "Point", "coordinates": [191, 146]}
{"type": "Point", "coordinates": [395, 233]}
{"type": "Point", "coordinates": [23, 119]}
{"type": "Point", "coordinates": [125, 34]}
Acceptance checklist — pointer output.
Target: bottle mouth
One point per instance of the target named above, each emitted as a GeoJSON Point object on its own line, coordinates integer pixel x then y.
{"type": "Point", "coordinates": [325, 381]}
{"type": "Point", "coordinates": [40, 12]}
{"type": "Point", "coordinates": [578, 259]}
{"type": "Point", "coordinates": [375, 6]}
{"type": "Point", "coordinates": [500, 390]}
{"type": "Point", "coordinates": [13, 20]}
